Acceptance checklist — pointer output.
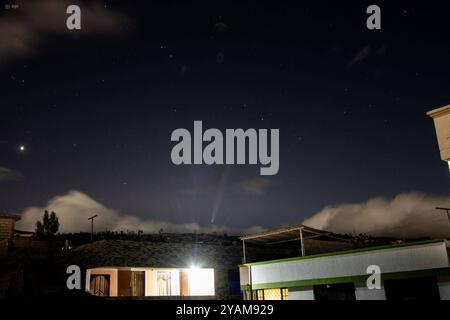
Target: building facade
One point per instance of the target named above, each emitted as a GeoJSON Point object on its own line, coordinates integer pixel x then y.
{"type": "Point", "coordinates": [441, 118]}
{"type": "Point", "coordinates": [192, 269]}
{"type": "Point", "coordinates": [7, 225]}
{"type": "Point", "coordinates": [408, 271]}
{"type": "Point", "coordinates": [151, 282]}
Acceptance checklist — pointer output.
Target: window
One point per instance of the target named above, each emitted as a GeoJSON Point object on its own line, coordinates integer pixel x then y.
{"type": "Point", "coordinates": [271, 294]}
{"type": "Point", "coordinates": [138, 283]}
{"type": "Point", "coordinates": [412, 289]}
{"type": "Point", "coordinates": [340, 291]}
{"type": "Point", "coordinates": [260, 295]}
{"type": "Point", "coordinates": [164, 283]}
{"type": "Point", "coordinates": [284, 294]}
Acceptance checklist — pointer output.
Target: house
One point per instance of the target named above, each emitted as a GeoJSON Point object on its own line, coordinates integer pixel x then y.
{"type": "Point", "coordinates": [163, 269]}
{"type": "Point", "coordinates": [7, 225]}
{"type": "Point", "coordinates": [416, 270]}
{"type": "Point", "coordinates": [151, 282]}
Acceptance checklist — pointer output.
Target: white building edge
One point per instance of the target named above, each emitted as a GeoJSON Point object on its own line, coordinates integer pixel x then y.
{"type": "Point", "coordinates": [417, 270]}
{"type": "Point", "coordinates": [441, 118]}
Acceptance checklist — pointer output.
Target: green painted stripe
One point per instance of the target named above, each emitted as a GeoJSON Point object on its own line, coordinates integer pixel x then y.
{"type": "Point", "coordinates": [360, 278]}
{"type": "Point", "coordinates": [353, 251]}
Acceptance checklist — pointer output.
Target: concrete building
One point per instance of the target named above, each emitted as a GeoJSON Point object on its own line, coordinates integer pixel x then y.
{"type": "Point", "coordinates": [441, 118]}
{"type": "Point", "coordinates": [151, 282]}
{"type": "Point", "coordinates": [160, 269]}
{"type": "Point", "coordinates": [408, 271]}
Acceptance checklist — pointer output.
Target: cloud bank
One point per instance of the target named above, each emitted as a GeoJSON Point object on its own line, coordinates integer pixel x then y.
{"type": "Point", "coordinates": [7, 174]}
{"type": "Point", "coordinates": [407, 215]}
{"type": "Point", "coordinates": [74, 208]}
{"type": "Point", "coordinates": [23, 30]}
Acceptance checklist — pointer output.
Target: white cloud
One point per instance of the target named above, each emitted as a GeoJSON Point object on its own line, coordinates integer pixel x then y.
{"type": "Point", "coordinates": [406, 215]}
{"type": "Point", "coordinates": [7, 174]}
{"type": "Point", "coordinates": [74, 208]}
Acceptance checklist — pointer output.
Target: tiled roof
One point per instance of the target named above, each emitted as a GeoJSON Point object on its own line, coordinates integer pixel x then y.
{"type": "Point", "coordinates": [9, 216]}
{"type": "Point", "coordinates": [122, 253]}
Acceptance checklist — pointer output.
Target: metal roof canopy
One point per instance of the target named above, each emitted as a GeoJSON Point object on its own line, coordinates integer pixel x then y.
{"type": "Point", "coordinates": [285, 235]}
{"type": "Point", "coordinates": [288, 234]}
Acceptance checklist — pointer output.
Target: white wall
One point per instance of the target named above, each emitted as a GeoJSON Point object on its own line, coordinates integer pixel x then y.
{"type": "Point", "coordinates": [244, 275]}
{"type": "Point", "coordinates": [400, 259]}
{"type": "Point", "coordinates": [364, 293]}
{"type": "Point", "coordinates": [175, 282]}
{"type": "Point", "coordinates": [301, 293]}
{"type": "Point", "coordinates": [88, 280]}
{"type": "Point", "coordinates": [442, 125]}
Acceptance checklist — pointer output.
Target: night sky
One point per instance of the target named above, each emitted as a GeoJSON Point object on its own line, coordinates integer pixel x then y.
{"type": "Point", "coordinates": [94, 111]}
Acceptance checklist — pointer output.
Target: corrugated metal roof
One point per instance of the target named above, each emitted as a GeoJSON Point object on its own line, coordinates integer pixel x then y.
{"type": "Point", "coordinates": [290, 233]}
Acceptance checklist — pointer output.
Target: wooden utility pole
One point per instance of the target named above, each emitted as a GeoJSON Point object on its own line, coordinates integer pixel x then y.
{"type": "Point", "coordinates": [92, 225]}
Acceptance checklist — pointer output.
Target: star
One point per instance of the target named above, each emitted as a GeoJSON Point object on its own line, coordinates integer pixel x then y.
{"type": "Point", "coordinates": [22, 148]}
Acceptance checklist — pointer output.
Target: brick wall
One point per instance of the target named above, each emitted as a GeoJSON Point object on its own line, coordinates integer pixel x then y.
{"type": "Point", "coordinates": [36, 248]}
{"type": "Point", "coordinates": [7, 228]}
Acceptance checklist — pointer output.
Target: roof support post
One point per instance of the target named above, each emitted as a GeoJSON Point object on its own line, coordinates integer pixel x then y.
{"type": "Point", "coordinates": [302, 245]}
{"type": "Point", "coordinates": [244, 258]}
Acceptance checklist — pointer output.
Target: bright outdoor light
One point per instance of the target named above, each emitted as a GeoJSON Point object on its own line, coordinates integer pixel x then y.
{"type": "Point", "coordinates": [194, 267]}
{"type": "Point", "coordinates": [201, 281]}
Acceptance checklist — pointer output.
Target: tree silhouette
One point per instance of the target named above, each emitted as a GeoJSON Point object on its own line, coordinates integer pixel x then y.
{"type": "Point", "coordinates": [39, 230]}
{"type": "Point", "coordinates": [53, 224]}
{"type": "Point", "coordinates": [48, 227]}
